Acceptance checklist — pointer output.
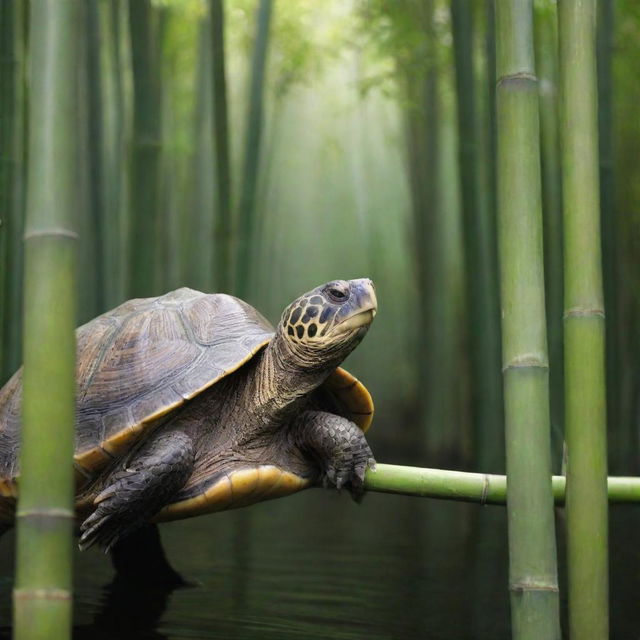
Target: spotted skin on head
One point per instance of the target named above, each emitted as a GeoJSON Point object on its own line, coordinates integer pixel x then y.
{"type": "Point", "coordinates": [316, 314]}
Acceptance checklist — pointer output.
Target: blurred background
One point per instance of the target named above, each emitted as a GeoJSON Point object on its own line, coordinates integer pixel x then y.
{"type": "Point", "coordinates": [332, 140]}
{"type": "Point", "coordinates": [262, 147]}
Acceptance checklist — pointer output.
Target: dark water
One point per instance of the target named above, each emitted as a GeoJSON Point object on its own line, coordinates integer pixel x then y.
{"type": "Point", "coordinates": [315, 565]}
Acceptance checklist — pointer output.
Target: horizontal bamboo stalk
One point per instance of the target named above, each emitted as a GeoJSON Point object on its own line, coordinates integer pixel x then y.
{"type": "Point", "coordinates": [483, 488]}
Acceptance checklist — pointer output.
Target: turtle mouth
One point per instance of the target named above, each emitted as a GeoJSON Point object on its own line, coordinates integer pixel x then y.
{"type": "Point", "coordinates": [356, 321]}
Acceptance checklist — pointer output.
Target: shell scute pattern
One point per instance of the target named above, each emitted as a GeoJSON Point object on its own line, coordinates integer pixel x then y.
{"type": "Point", "coordinates": [92, 341]}
{"type": "Point", "coordinates": [91, 435]}
{"type": "Point", "coordinates": [167, 351]}
{"type": "Point", "coordinates": [178, 297]}
{"type": "Point", "coordinates": [200, 376]}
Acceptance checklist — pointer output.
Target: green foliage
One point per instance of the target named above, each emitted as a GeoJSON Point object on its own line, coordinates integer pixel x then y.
{"type": "Point", "coordinates": [358, 174]}
{"type": "Point", "coordinates": [394, 35]}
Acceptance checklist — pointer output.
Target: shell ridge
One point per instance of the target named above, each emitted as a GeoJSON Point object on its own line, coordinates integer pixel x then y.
{"type": "Point", "coordinates": [100, 359]}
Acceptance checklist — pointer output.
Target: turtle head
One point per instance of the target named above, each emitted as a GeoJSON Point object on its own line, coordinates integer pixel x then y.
{"type": "Point", "coordinates": [328, 322]}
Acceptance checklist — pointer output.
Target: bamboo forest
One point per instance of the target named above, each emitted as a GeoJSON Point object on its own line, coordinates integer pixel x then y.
{"type": "Point", "coordinates": [223, 197]}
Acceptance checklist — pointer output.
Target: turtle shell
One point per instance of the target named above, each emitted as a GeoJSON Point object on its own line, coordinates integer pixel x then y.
{"type": "Point", "coordinates": [138, 362]}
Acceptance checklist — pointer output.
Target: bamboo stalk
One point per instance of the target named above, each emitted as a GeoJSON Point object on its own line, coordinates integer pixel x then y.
{"type": "Point", "coordinates": [546, 37]}
{"type": "Point", "coordinates": [488, 87]}
{"type": "Point", "coordinates": [115, 200]}
{"type": "Point", "coordinates": [203, 204]}
{"type": "Point", "coordinates": [480, 255]}
{"type": "Point", "coordinates": [95, 152]}
{"type": "Point", "coordinates": [622, 454]}
{"type": "Point", "coordinates": [11, 183]}
{"type": "Point", "coordinates": [253, 136]}
{"type": "Point", "coordinates": [8, 64]}
{"type": "Point", "coordinates": [145, 150]}
{"type": "Point", "coordinates": [424, 142]}
{"type": "Point", "coordinates": [584, 327]}
{"type": "Point", "coordinates": [439, 348]}
{"type": "Point", "coordinates": [44, 518]}
{"type": "Point", "coordinates": [480, 488]}
{"type": "Point", "coordinates": [171, 227]}
{"type": "Point", "coordinates": [533, 581]}
{"type": "Point", "coordinates": [222, 232]}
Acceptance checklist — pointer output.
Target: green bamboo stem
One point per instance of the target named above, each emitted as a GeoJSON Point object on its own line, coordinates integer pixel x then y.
{"type": "Point", "coordinates": [480, 254]}
{"type": "Point", "coordinates": [44, 518]}
{"type": "Point", "coordinates": [546, 41]}
{"type": "Point", "coordinates": [11, 183]}
{"type": "Point", "coordinates": [202, 249]}
{"type": "Point", "coordinates": [145, 150]}
{"type": "Point", "coordinates": [622, 454]}
{"type": "Point", "coordinates": [246, 206]}
{"type": "Point", "coordinates": [490, 138]}
{"type": "Point", "coordinates": [533, 578]}
{"type": "Point", "coordinates": [480, 488]}
{"type": "Point", "coordinates": [584, 327]}
{"type": "Point", "coordinates": [436, 343]}
{"type": "Point", "coordinates": [222, 232]}
{"type": "Point", "coordinates": [95, 153]}
{"type": "Point", "coordinates": [8, 65]}
{"type": "Point", "coordinates": [115, 202]}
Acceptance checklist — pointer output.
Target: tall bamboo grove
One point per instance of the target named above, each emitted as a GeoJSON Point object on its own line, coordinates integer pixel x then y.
{"type": "Point", "coordinates": [584, 328]}
{"type": "Point", "coordinates": [221, 146]}
{"type": "Point", "coordinates": [532, 550]}
{"type": "Point", "coordinates": [252, 144]}
{"type": "Point", "coordinates": [42, 594]}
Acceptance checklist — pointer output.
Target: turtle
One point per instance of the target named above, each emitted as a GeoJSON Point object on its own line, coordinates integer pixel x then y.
{"type": "Point", "coordinates": [191, 403]}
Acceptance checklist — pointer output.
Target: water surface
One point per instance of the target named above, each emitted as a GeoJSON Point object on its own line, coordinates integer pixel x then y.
{"type": "Point", "coordinates": [316, 565]}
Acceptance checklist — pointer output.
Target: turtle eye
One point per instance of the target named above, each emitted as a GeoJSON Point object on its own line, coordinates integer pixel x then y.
{"type": "Point", "coordinates": [338, 293]}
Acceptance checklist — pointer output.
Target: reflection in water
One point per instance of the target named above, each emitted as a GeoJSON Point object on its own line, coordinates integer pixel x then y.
{"type": "Point", "coordinates": [315, 566]}
{"type": "Point", "coordinates": [126, 612]}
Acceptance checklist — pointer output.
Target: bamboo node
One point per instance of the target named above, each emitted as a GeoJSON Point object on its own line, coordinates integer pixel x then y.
{"type": "Point", "coordinates": [42, 594]}
{"type": "Point", "coordinates": [521, 75]}
{"type": "Point", "coordinates": [583, 312]}
{"type": "Point", "coordinates": [485, 489]}
{"type": "Point", "coordinates": [525, 361]}
{"type": "Point", "coordinates": [533, 586]}
{"type": "Point", "coordinates": [52, 232]}
{"type": "Point", "coordinates": [65, 514]}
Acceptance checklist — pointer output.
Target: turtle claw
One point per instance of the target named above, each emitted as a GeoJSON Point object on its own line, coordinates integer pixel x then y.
{"type": "Point", "coordinates": [361, 464]}
{"type": "Point", "coordinates": [329, 478]}
{"type": "Point", "coordinates": [100, 527]}
{"type": "Point", "coordinates": [341, 479]}
{"type": "Point", "coordinates": [349, 473]}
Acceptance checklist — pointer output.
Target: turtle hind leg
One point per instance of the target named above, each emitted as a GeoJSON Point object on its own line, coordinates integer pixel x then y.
{"type": "Point", "coordinates": [137, 489]}
{"type": "Point", "coordinates": [140, 558]}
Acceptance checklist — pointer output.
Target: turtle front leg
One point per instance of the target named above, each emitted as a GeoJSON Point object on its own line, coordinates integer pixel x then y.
{"type": "Point", "coordinates": [337, 445]}
{"type": "Point", "coordinates": [141, 484]}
